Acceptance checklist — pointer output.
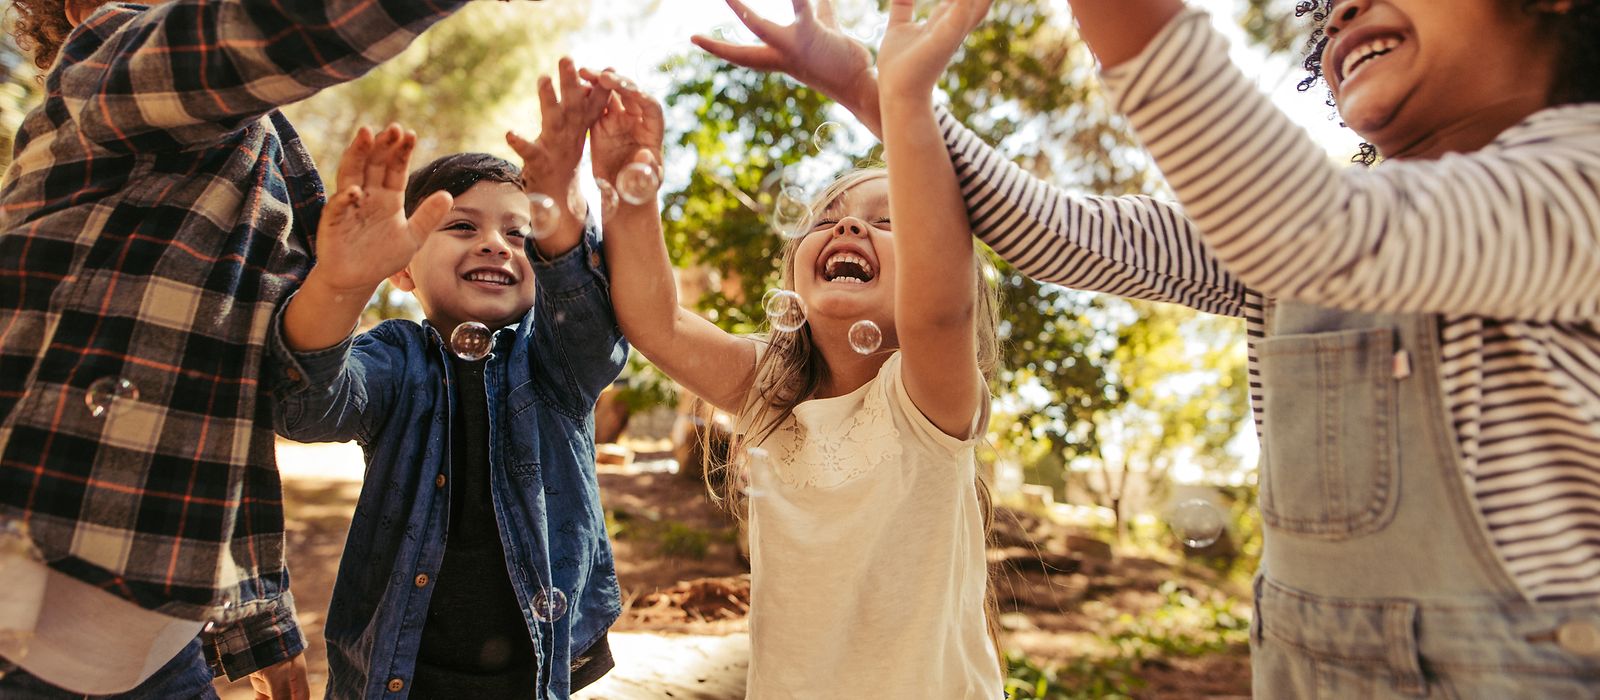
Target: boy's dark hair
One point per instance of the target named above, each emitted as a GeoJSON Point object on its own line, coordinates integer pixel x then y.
{"type": "Point", "coordinates": [456, 174]}
{"type": "Point", "coordinates": [41, 26]}
{"type": "Point", "coordinates": [1577, 31]}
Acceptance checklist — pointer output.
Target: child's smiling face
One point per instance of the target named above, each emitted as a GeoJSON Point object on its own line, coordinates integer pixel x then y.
{"type": "Point", "coordinates": [474, 266]}
{"type": "Point", "coordinates": [844, 268]}
{"type": "Point", "coordinates": [1408, 73]}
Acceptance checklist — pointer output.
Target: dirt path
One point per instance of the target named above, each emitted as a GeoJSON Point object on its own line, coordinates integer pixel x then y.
{"type": "Point", "coordinates": [684, 633]}
{"type": "Point", "coordinates": [321, 484]}
{"type": "Point", "coordinates": [692, 667]}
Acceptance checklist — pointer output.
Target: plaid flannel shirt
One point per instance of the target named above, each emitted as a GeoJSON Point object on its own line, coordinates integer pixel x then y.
{"type": "Point", "coordinates": [158, 210]}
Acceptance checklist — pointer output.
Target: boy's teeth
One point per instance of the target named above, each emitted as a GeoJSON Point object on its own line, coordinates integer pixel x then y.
{"type": "Point", "coordinates": [488, 277]}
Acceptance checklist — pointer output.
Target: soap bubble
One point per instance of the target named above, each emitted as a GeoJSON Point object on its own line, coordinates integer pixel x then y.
{"type": "Point", "coordinates": [865, 337]}
{"type": "Point", "coordinates": [1197, 522]}
{"type": "Point", "coordinates": [786, 311]}
{"type": "Point", "coordinates": [107, 393]}
{"type": "Point", "coordinates": [543, 214]}
{"type": "Point", "coordinates": [549, 604]}
{"type": "Point", "coordinates": [471, 341]}
{"type": "Point", "coordinates": [637, 183]}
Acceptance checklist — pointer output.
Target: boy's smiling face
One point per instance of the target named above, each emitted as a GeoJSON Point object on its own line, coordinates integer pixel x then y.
{"type": "Point", "coordinates": [1407, 73]}
{"type": "Point", "coordinates": [474, 266]}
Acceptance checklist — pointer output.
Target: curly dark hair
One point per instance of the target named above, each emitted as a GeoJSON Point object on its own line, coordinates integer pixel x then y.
{"type": "Point", "coordinates": [1578, 32]}
{"type": "Point", "coordinates": [40, 27]}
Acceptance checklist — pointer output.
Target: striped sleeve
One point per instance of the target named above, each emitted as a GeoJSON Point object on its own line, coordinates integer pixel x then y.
{"type": "Point", "coordinates": [1132, 246]}
{"type": "Point", "coordinates": [1508, 231]}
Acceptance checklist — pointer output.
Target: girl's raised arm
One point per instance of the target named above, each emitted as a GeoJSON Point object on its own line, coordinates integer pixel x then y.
{"type": "Point", "coordinates": [708, 361]}
{"type": "Point", "coordinates": [935, 297]}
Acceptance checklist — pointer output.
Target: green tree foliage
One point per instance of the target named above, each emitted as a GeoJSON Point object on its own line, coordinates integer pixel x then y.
{"type": "Point", "coordinates": [460, 85]}
{"type": "Point", "coordinates": [1182, 378]}
{"type": "Point", "coordinates": [1025, 82]}
{"type": "Point", "coordinates": [1273, 24]}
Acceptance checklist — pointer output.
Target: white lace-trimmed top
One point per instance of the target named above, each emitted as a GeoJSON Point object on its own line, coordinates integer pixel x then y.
{"type": "Point", "coordinates": [867, 556]}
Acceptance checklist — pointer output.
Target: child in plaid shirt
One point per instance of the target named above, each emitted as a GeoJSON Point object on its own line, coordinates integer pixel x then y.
{"type": "Point", "coordinates": [158, 210]}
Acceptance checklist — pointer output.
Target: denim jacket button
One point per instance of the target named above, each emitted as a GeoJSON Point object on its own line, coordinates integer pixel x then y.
{"type": "Point", "coordinates": [422, 580]}
{"type": "Point", "coordinates": [1580, 637]}
{"type": "Point", "coordinates": [395, 685]}
{"type": "Point", "coordinates": [294, 375]}
{"type": "Point", "coordinates": [438, 481]}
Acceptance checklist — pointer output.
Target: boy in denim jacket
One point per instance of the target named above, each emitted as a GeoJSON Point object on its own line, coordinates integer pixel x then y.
{"type": "Point", "coordinates": [477, 562]}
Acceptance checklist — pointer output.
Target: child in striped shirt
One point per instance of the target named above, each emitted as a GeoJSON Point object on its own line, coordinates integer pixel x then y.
{"type": "Point", "coordinates": [1424, 361]}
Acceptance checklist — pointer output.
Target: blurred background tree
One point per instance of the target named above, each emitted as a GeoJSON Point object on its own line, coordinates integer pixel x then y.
{"type": "Point", "coordinates": [1075, 401]}
{"type": "Point", "coordinates": [1073, 363]}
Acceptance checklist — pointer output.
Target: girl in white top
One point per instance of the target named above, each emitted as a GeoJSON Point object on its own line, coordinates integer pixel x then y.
{"type": "Point", "coordinates": [867, 527]}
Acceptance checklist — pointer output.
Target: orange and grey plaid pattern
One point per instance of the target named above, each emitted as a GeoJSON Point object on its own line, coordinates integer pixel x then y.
{"type": "Point", "coordinates": [158, 210]}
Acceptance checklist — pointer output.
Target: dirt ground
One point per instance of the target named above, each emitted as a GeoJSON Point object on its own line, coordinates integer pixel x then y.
{"type": "Point", "coordinates": [686, 589]}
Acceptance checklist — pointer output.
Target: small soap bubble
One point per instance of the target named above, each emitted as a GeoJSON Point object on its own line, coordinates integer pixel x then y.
{"type": "Point", "coordinates": [735, 33]}
{"type": "Point", "coordinates": [779, 178]}
{"type": "Point", "coordinates": [637, 183]}
{"type": "Point", "coordinates": [549, 604]}
{"type": "Point", "coordinates": [650, 68]}
{"type": "Point", "coordinates": [756, 460]}
{"type": "Point", "coordinates": [826, 135]}
{"type": "Point", "coordinates": [786, 311]}
{"type": "Point", "coordinates": [790, 212]}
{"type": "Point", "coordinates": [608, 197]}
{"type": "Point", "coordinates": [576, 204]}
{"type": "Point", "coordinates": [543, 214]}
{"type": "Point", "coordinates": [471, 341]}
{"type": "Point", "coordinates": [865, 337]}
{"type": "Point", "coordinates": [16, 540]}
{"type": "Point", "coordinates": [869, 30]}
{"type": "Point", "coordinates": [106, 393]}
{"type": "Point", "coordinates": [1197, 522]}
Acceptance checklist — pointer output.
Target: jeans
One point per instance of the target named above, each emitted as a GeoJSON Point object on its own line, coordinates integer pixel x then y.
{"type": "Point", "coordinates": [185, 677]}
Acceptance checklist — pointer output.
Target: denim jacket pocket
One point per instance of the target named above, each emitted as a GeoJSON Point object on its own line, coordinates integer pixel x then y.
{"type": "Point", "coordinates": [522, 458]}
{"type": "Point", "coordinates": [1329, 447]}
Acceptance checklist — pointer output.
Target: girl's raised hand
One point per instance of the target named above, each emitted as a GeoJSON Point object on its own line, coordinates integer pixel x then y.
{"type": "Point", "coordinates": [550, 162]}
{"type": "Point", "coordinates": [914, 54]}
{"type": "Point", "coordinates": [364, 235]}
{"type": "Point", "coordinates": [812, 50]}
{"type": "Point", "coordinates": [630, 131]}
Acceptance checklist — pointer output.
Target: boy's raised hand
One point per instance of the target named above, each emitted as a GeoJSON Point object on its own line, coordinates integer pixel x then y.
{"type": "Point", "coordinates": [914, 54]}
{"type": "Point", "coordinates": [364, 235]}
{"type": "Point", "coordinates": [812, 50]}
{"type": "Point", "coordinates": [550, 162]}
{"type": "Point", "coordinates": [630, 131]}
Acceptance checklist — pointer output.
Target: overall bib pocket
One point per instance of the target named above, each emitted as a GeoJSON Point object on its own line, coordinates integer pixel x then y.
{"type": "Point", "coordinates": [1329, 447]}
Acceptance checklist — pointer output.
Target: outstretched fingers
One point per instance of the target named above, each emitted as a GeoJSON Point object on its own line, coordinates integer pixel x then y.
{"type": "Point", "coordinates": [763, 28]}
{"type": "Point", "coordinates": [761, 58]}
{"type": "Point", "coordinates": [353, 162]}
{"type": "Point", "coordinates": [900, 12]}
{"type": "Point", "coordinates": [428, 214]}
{"type": "Point", "coordinates": [399, 164]}
{"type": "Point", "coordinates": [377, 162]}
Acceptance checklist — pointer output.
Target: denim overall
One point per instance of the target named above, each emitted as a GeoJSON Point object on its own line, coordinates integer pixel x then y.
{"type": "Point", "coordinates": [1378, 579]}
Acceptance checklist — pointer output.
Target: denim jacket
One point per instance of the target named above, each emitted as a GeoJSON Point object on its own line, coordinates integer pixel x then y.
{"type": "Point", "coordinates": [390, 390]}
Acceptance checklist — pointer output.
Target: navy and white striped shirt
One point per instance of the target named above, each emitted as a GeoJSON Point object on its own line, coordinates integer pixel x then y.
{"type": "Point", "coordinates": [1503, 243]}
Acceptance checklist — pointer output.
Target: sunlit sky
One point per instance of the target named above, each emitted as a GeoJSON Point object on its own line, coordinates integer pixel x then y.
{"type": "Point", "coordinates": [634, 36]}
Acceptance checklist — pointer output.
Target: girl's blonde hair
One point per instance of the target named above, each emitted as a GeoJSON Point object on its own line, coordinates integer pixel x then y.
{"type": "Point", "coordinates": [790, 371]}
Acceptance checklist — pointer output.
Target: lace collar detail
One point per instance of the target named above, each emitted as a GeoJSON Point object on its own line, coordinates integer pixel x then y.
{"type": "Point", "coordinates": [830, 442]}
